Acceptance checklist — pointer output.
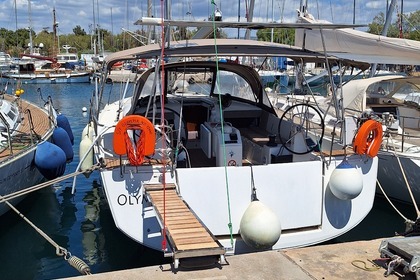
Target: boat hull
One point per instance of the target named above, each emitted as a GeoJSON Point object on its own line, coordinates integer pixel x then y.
{"type": "Point", "coordinates": [391, 177]}
{"type": "Point", "coordinates": [50, 79]}
{"type": "Point", "coordinates": [317, 215]}
{"type": "Point", "coordinates": [18, 174]}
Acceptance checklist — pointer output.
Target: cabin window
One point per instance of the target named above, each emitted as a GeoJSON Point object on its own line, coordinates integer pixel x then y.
{"type": "Point", "coordinates": [235, 85]}
{"type": "Point", "coordinates": [11, 115]}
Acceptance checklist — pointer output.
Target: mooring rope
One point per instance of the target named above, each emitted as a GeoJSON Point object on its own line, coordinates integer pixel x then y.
{"type": "Point", "coordinates": [222, 124]}
{"type": "Point", "coordinates": [76, 262]}
{"type": "Point", "coordinates": [407, 184]}
{"type": "Point", "coordinates": [392, 204]}
{"type": "Point", "coordinates": [26, 191]}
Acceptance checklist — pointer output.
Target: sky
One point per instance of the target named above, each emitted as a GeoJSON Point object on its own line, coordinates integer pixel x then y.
{"type": "Point", "coordinates": [114, 15]}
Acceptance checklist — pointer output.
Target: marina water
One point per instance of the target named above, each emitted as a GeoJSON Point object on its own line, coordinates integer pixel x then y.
{"type": "Point", "coordinates": [82, 223]}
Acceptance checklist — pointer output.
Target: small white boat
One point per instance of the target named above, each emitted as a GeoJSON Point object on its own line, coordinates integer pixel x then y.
{"type": "Point", "coordinates": [28, 74]}
{"type": "Point", "coordinates": [207, 168]}
{"type": "Point", "coordinates": [28, 155]}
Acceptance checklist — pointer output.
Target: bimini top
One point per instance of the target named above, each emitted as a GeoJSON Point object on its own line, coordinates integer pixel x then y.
{"type": "Point", "coordinates": [356, 91]}
{"type": "Point", "coordinates": [359, 46]}
{"type": "Point", "coordinates": [212, 47]}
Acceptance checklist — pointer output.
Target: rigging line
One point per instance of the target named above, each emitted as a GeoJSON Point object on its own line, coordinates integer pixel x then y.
{"type": "Point", "coordinates": [407, 184]}
{"type": "Point", "coordinates": [60, 251]}
{"type": "Point", "coordinates": [392, 204]}
{"type": "Point", "coordinates": [222, 122]}
{"type": "Point", "coordinates": [41, 185]}
{"type": "Point", "coordinates": [178, 139]}
{"type": "Point", "coordinates": [162, 118]}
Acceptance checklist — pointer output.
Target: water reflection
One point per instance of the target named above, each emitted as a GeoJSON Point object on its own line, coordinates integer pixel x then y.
{"type": "Point", "coordinates": [93, 238]}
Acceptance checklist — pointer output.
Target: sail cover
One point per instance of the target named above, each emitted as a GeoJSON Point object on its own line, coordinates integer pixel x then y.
{"type": "Point", "coordinates": [358, 45]}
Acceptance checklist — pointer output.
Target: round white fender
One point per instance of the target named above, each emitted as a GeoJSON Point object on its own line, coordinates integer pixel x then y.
{"type": "Point", "coordinates": [346, 182]}
{"type": "Point", "coordinates": [83, 148]}
{"type": "Point", "coordinates": [260, 228]}
{"type": "Point", "coordinates": [88, 131]}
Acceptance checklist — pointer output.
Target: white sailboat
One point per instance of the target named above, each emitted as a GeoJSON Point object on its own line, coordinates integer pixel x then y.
{"type": "Point", "coordinates": [35, 146]}
{"type": "Point", "coordinates": [197, 162]}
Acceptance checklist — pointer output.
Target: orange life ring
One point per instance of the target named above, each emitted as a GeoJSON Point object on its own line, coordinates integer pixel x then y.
{"type": "Point", "coordinates": [145, 144]}
{"type": "Point", "coordinates": [368, 139]}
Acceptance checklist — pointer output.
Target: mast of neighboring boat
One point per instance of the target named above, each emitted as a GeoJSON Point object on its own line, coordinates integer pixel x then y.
{"type": "Point", "coordinates": [55, 46]}
{"type": "Point", "coordinates": [16, 27]}
{"type": "Point", "coordinates": [389, 12]}
{"type": "Point", "coordinates": [249, 17]}
{"type": "Point", "coordinates": [30, 27]}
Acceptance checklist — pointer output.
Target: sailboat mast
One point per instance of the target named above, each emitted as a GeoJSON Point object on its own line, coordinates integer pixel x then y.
{"type": "Point", "coordinates": [401, 19]}
{"type": "Point", "coordinates": [354, 11]}
{"type": "Point", "coordinates": [390, 11]}
{"type": "Point", "coordinates": [272, 20]}
{"type": "Point", "coordinates": [94, 30]}
{"type": "Point", "coordinates": [30, 28]}
{"type": "Point", "coordinates": [55, 46]}
{"type": "Point", "coordinates": [239, 14]}
{"type": "Point", "coordinates": [249, 18]}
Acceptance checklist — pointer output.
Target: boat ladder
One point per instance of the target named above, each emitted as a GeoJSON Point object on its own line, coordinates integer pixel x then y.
{"type": "Point", "coordinates": [187, 236]}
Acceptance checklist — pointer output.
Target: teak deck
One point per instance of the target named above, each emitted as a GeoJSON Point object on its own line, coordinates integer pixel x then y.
{"type": "Point", "coordinates": [41, 125]}
{"type": "Point", "coordinates": [187, 235]}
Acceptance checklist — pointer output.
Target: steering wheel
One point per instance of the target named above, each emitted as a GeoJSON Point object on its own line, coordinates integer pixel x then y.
{"type": "Point", "coordinates": [302, 120]}
{"type": "Point", "coordinates": [226, 100]}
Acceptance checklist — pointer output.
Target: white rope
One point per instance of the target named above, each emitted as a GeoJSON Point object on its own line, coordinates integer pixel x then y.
{"type": "Point", "coordinates": [26, 191]}
{"type": "Point", "coordinates": [60, 251]}
{"type": "Point", "coordinates": [407, 184]}
{"type": "Point", "coordinates": [392, 204]}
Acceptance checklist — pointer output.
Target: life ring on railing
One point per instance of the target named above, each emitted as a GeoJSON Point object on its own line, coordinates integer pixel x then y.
{"type": "Point", "coordinates": [144, 146]}
{"type": "Point", "coordinates": [368, 139]}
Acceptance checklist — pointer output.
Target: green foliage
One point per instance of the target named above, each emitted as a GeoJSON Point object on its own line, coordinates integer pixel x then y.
{"type": "Point", "coordinates": [78, 31]}
{"type": "Point", "coordinates": [280, 35]}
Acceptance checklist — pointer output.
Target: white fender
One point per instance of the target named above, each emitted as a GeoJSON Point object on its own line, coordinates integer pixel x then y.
{"type": "Point", "coordinates": [346, 181]}
{"type": "Point", "coordinates": [260, 228]}
{"type": "Point", "coordinates": [83, 149]}
{"type": "Point", "coordinates": [88, 131]}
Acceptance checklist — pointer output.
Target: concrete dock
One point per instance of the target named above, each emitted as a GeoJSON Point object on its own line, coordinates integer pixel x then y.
{"type": "Point", "coordinates": [336, 261]}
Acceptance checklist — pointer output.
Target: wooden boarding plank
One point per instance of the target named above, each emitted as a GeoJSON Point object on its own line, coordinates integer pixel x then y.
{"type": "Point", "coordinates": [186, 233]}
{"type": "Point", "coordinates": [182, 230]}
{"type": "Point", "coordinates": [192, 235]}
{"type": "Point", "coordinates": [193, 240]}
{"type": "Point", "coordinates": [171, 204]}
{"type": "Point", "coordinates": [159, 187]}
{"type": "Point", "coordinates": [183, 225]}
{"type": "Point", "coordinates": [198, 246]}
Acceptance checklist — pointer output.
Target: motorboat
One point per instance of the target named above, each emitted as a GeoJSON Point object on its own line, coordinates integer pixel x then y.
{"type": "Point", "coordinates": [35, 145]}
{"type": "Point", "coordinates": [196, 162]}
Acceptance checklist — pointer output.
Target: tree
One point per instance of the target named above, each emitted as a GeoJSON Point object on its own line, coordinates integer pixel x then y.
{"type": "Point", "coordinates": [411, 26]}
{"type": "Point", "coordinates": [280, 35]}
{"type": "Point", "coordinates": [78, 31]}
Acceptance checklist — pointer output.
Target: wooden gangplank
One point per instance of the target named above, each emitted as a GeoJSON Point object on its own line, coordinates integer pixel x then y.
{"type": "Point", "coordinates": [187, 235]}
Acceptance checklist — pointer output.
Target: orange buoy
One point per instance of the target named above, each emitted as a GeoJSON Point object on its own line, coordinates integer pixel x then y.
{"type": "Point", "coordinates": [144, 146]}
{"type": "Point", "coordinates": [368, 138]}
